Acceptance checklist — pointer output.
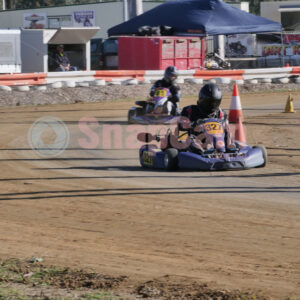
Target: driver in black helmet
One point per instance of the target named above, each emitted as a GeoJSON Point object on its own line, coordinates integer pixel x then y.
{"type": "Point", "coordinates": [209, 100]}
{"type": "Point", "coordinates": [169, 81]}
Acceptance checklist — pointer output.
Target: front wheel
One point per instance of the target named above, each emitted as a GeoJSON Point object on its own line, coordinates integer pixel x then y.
{"type": "Point", "coordinates": [264, 154]}
{"type": "Point", "coordinates": [131, 115]}
{"type": "Point", "coordinates": [171, 159]}
{"type": "Point", "coordinates": [134, 112]}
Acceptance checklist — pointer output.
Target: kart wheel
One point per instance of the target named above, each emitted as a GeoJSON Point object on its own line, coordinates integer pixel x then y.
{"type": "Point", "coordinates": [171, 159]}
{"type": "Point", "coordinates": [131, 114]}
{"type": "Point", "coordinates": [264, 153]}
{"type": "Point", "coordinates": [139, 111]}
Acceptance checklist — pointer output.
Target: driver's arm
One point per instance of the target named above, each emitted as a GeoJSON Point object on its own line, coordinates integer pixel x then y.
{"type": "Point", "coordinates": [175, 91]}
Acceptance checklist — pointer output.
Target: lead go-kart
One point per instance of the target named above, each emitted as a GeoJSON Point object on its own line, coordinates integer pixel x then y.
{"type": "Point", "coordinates": [207, 151]}
{"type": "Point", "coordinates": [156, 110]}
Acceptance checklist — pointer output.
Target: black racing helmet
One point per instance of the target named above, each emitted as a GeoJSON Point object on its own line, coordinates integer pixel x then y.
{"type": "Point", "coordinates": [210, 97]}
{"type": "Point", "coordinates": [171, 74]}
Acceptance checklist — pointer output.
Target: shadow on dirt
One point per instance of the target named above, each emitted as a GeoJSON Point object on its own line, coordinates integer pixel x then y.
{"type": "Point", "coordinates": [145, 191]}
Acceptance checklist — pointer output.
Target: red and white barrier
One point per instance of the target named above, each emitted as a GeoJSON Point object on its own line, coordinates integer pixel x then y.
{"type": "Point", "coordinates": [145, 76]}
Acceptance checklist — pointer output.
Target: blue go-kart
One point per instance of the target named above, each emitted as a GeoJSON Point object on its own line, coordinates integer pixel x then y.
{"type": "Point", "coordinates": [206, 151]}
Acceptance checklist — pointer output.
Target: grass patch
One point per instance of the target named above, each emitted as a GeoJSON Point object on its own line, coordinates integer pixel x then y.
{"type": "Point", "coordinates": [36, 274]}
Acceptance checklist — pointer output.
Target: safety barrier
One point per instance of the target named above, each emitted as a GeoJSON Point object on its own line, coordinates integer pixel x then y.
{"type": "Point", "coordinates": [111, 75]}
{"type": "Point", "coordinates": [71, 79]}
{"type": "Point", "coordinates": [209, 74]}
{"type": "Point", "coordinates": [295, 71]}
{"type": "Point", "coordinates": [76, 76]}
{"type": "Point", "coordinates": [23, 79]}
{"type": "Point", "coordinates": [267, 73]}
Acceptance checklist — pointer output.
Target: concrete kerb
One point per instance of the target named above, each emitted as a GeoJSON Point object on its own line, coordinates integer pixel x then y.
{"type": "Point", "coordinates": [114, 83]}
{"type": "Point", "coordinates": [194, 80]}
{"type": "Point", "coordinates": [251, 81]}
{"type": "Point", "coordinates": [130, 82]}
{"type": "Point", "coordinates": [39, 87]}
{"type": "Point", "coordinates": [223, 80]}
{"type": "Point", "coordinates": [296, 80]}
{"type": "Point", "coordinates": [5, 88]}
{"type": "Point", "coordinates": [69, 84]}
{"type": "Point", "coordinates": [98, 82]}
{"type": "Point", "coordinates": [83, 84]}
{"type": "Point", "coordinates": [239, 81]}
{"type": "Point", "coordinates": [145, 81]}
{"type": "Point", "coordinates": [21, 88]}
{"type": "Point", "coordinates": [56, 85]}
{"type": "Point", "coordinates": [282, 80]}
{"type": "Point", "coordinates": [265, 80]}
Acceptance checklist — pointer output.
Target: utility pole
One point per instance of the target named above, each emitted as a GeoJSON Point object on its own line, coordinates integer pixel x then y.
{"type": "Point", "coordinates": [135, 8]}
{"type": "Point", "coordinates": [125, 10]}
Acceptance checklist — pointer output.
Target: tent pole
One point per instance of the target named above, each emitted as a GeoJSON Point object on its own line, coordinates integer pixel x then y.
{"type": "Point", "coordinates": [282, 52]}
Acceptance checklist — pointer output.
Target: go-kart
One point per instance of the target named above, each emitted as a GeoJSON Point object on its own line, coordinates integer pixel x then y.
{"type": "Point", "coordinates": [156, 110]}
{"type": "Point", "coordinates": [207, 151]}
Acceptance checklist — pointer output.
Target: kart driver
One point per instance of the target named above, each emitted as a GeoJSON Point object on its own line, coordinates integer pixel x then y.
{"type": "Point", "coordinates": [209, 100]}
{"type": "Point", "coordinates": [169, 81]}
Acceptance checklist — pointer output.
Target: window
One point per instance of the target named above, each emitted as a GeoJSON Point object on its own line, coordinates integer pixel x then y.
{"type": "Point", "coordinates": [290, 20]}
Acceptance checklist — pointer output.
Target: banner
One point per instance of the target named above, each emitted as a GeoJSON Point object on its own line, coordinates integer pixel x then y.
{"type": "Point", "coordinates": [34, 21]}
{"type": "Point", "coordinates": [240, 45]}
{"type": "Point", "coordinates": [84, 18]}
{"type": "Point", "coordinates": [275, 50]}
{"type": "Point", "coordinates": [291, 38]}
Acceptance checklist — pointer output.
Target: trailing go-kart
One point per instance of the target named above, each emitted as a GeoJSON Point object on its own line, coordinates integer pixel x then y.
{"type": "Point", "coordinates": [156, 110]}
{"type": "Point", "coordinates": [207, 151]}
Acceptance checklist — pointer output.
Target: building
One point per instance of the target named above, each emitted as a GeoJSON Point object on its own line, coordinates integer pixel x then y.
{"type": "Point", "coordinates": [101, 14]}
{"type": "Point", "coordinates": [285, 12]}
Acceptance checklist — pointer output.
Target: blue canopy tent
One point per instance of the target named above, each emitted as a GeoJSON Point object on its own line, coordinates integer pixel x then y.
{"type": "Point", "coordinates": [198, 17]}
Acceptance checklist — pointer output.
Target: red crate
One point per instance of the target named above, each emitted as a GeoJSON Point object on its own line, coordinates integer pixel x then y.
{"type": "Point", "coordinates": [159, 52]}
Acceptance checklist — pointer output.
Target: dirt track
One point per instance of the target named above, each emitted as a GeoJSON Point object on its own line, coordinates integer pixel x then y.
{"type": "Point", "coordinates": [96, 208]}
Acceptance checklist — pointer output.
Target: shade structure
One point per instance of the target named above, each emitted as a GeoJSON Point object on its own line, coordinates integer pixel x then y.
{"type": "Point", "coordinates": [198, 17]}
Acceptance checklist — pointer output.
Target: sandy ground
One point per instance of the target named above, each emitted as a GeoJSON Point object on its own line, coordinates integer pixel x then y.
{"type": "Point", "coordinates": [97, 209]}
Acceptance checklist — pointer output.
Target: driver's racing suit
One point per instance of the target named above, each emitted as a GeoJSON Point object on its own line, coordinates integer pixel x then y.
{"type": "Point", "coordinates": [174, 90]}
{"type": "Point", "coordinates": [192, 116]}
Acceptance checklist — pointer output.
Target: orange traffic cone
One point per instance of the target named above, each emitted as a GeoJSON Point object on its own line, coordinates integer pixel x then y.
{"type": "Point", "coordinates": [235, 110]}
{"type": "Point", "coordinates": [240, 134]}
{"type": "Point", "coordinates": [289, 107]}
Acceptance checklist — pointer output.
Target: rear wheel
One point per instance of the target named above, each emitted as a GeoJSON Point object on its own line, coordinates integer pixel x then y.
{"type": "Point", "coordinates": [264, 154]}
{"type": "Point", "coordinates": [171, 159]}
{"type": "Point", "coordinates": [137, 111]}
{"type": "Point", "coordinates": [131, 115]}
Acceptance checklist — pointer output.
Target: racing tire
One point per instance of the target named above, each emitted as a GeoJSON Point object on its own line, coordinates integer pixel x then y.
{"type": "Point", "coordinates": [131, 114]}
{"type": "Point", "coordinates": [264, 153]}
{"type": "Point", "coordinates": [138, 111]}
{"type": "Point", "coordinates": [171, 159]}
{"type": "Point", "coordinates": [141, 103]}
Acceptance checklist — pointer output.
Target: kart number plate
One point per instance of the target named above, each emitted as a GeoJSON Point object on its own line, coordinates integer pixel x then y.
{"type": "Point", "coordinates": [213, 128]}
{"type": "Point", "coordinates": [147, 158]}
{"type": "Point", "coordinates": [160, 93]}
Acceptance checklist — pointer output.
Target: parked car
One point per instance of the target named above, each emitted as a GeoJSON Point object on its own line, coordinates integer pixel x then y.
{"type": "Point", "coordinates": [96, 54]}
{"type": "Point", "coordinates": [104, 54]}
